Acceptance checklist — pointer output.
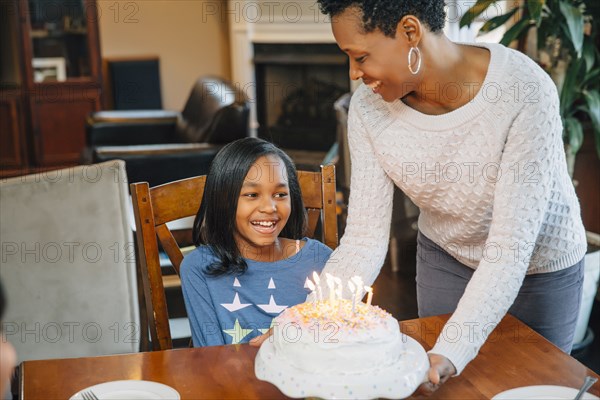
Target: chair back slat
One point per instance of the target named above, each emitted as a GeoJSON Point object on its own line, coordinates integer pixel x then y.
{"type": "Point", "coordinates": [170, 246]}
{"type": "Point", "coordinates": [154, 292]}
{"type": "Point", "coordinates": [310, 184]}
{"type": "Point", "coordinates": [188, 191]}
{"type": "Point", "coordinates": [329, 221]}
{"type": "Point", "coordinates": [313, 217]}
{"type": "Point", "coordinates": [154, 207]}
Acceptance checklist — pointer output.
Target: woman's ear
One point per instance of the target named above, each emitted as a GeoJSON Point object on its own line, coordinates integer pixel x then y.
{"type": "Point", "coordinates": [410, 29]}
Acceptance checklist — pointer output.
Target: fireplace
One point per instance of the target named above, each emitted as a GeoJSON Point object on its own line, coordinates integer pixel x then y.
{"type": "Point", "coordinates": [296, 86]}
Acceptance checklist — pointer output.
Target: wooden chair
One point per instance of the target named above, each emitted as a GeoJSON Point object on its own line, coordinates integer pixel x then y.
{"type": "Point", "coordinates": [155, 207]}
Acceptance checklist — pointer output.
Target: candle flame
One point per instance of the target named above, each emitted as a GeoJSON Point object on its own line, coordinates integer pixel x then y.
{"type": "Point", "coordinates": [316, 277]}
{"type": "Point", "coordinates": [369, 290]}
{"type": "Point", "coordinates": [351, 287]}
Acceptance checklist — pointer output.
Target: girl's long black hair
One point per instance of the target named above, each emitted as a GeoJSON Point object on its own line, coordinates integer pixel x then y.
{"type": "Point", "coordinates": [215, 222]}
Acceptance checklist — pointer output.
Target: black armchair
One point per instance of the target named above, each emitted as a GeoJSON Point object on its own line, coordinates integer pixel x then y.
{"type": "Point", "coordinates": [160, 146]}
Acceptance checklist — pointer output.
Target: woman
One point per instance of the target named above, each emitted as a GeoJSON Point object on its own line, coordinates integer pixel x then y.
{"type": "Point", "coordinates": [473, 135]}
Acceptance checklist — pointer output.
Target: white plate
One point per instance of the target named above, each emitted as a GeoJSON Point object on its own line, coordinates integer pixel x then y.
{"type": "Point", "coordinates": [396, 382]}
{"type": "Point", "coordinates": [130, 390]}
{"type": "Point", "coordinates": [541, 392]}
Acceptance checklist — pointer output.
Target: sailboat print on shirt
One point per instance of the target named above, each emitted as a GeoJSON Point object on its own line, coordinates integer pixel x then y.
{"type": "Point", "coordinates": [236, 305]}
{"type": "Point", "coordinates": [272, 307]}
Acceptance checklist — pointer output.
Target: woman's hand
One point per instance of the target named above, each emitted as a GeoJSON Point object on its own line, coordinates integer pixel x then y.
{"type": "Point", "coordinates": [440, 370]}
{"type": "Point", "coordinates": [257, 341]}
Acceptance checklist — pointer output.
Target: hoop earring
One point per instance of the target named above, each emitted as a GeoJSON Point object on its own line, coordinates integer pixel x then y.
{"type": "Point", "coordinates": [418, 54]}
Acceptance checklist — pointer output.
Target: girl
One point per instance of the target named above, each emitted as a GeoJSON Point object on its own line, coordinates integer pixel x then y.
{"type": "Point", "coordinates": [242, 273]}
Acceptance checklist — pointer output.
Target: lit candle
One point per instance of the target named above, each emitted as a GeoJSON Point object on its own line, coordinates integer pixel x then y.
{"type": "Point", "coordinates": [331, 286]}
{"type": "Point", "coordinates": [339, 293]}
{"type": "Point", "coordinates": [369, 290]}
{"type": "Point", "coordinates": [311, 287]}
{"type": "Point", "coordinates": [352, 291]}
{"type": "Point", "coordinates": [358, 282]}
{"type": "Point", "coordinates": [318, 285]}
{"type": "Point", "coordinates": [340, 288]}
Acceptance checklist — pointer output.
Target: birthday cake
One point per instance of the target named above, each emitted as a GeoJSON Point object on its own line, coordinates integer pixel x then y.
{"type": "Point", "coordinates": [340, 348]}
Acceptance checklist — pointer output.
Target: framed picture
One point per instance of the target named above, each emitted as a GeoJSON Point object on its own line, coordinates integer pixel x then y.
{"type": "Point", "coordinates": [50, 69]}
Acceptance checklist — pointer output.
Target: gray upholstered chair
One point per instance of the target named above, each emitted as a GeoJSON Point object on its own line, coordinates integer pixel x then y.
{"type": "Point", "coordinates": [68, 263]}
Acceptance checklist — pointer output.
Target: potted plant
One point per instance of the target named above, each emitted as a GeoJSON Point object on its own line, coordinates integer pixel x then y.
{"type": "Point", "coordinates": [559, 35]}
{"type": "Point", "coordinates": [562, 37]}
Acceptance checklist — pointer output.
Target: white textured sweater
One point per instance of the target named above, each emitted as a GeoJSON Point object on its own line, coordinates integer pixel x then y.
{"type": "Point", "coordinates": [489, 178]}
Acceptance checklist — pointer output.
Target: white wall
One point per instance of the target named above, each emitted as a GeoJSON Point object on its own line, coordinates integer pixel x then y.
{"type": "Point", "coordinates": [190, 40]}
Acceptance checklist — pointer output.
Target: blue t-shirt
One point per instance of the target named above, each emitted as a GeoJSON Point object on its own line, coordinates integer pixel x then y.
{"type": "Point", "coordinates": [230, 309]}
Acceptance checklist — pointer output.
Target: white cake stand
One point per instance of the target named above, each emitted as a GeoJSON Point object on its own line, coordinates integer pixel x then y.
{"type": "Point", "coordinates": [396, 382]}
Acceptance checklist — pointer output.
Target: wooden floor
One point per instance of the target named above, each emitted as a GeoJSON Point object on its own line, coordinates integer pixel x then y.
{"type": "Point", "coordinates": [395, 292]}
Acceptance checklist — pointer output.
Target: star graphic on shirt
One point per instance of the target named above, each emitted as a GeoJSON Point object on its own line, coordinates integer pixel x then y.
{"type": "Point", "coordinates": [271, 284]}
{"type": "Point", "coordinates": [237, 333]}
{"type": "Point", "coordinates": [272, 307]}
{"type": "Point", "coordinates": [236, 305]}
{"type": "Point", "coordinates": [236, 283]}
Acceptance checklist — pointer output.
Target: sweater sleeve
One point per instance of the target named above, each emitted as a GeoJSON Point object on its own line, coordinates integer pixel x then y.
{"type": "Point", "coordinates": [363, 247]}
{"type": "Point", "coordinates": [205, 326]}
{"type": "Point", "coordinates": [532, 152]}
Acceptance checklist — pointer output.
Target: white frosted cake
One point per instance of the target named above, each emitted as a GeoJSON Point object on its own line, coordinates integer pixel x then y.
{"type": "Point", "coordinates": [330, 349]}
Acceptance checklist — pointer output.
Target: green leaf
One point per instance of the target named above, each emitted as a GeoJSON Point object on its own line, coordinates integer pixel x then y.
{"type": "Point", "coordinates": [473, 12]}
{"type": "Point", "coordinates": [535, 10]}
{"type": "Point", "coordinates": [569, 89]}
{"type": "Point", "coordinates": [592, 98]}
{"type": "Point", "coordinates": [592, 76]}
{"type": "Point", "coordinates": [574, 19]}
{"type": "Point", "coordinates": [573, 133]}
{"type": "Point", "coordinates": [498, 21]}
{"type": "Point", "coordinates": [589, 53]}
{"type": "Point", "coordinates": [514, 31]}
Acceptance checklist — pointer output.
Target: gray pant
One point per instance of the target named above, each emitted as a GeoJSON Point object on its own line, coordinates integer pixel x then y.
{"type": "Point", "coordinates": [548, 303]}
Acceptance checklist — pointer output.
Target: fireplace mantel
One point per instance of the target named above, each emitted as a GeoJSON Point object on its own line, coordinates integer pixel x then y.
{"type": "Point", "coordinates": [264, 21]}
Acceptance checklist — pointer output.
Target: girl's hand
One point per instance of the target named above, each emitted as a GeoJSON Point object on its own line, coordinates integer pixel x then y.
{"type": "Point", "coordinates": [257, 341]}
{"type": "Point", "coordinates": [440, 370]}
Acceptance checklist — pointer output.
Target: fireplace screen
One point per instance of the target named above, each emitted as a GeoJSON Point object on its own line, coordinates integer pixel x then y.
{"type": "Point", "coordinates": [297, 85]}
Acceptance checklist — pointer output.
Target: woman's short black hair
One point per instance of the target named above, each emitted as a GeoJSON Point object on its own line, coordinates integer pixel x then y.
{"type": "Point", "coordinates": [385, 14]}
{"type": "Point", "coordinates": [215, 222]}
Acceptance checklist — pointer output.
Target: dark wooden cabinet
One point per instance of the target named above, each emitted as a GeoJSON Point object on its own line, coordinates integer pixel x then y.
{"type": "Point", "coordinates": [50, 79]}
{"type": "Point", "coordinates": [12, 149]}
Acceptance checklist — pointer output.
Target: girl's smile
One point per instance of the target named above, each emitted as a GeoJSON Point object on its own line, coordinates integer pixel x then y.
{"type": "Point", "coordinates": [265, 226]}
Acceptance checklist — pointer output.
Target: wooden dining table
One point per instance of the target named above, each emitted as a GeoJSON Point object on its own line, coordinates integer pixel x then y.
{"type": "Point", "coordinates": [513, 356]}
